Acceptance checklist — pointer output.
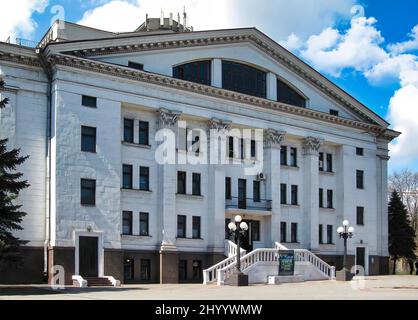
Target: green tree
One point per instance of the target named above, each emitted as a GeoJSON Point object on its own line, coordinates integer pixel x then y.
{"type": "Point", "coordinates": [401, 235]}
{"type": "Point", "coordinates": [10, 186]}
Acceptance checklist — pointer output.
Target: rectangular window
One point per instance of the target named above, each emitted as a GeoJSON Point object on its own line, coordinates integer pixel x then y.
{"type": "Point", "coordinates": [197, 184]}
{"type": "Point", "coordinates": [182, 270]}
{"type": "Point", "coordinates": [294, 232]}
{"type": "Point", "coordinates": [283, 232]}
{"type": "Point", "coordinates": [135, 65]}
{"type": "Point", "coordinates": [181, 182]}
{"type": "Point", "coordinates": [228, 189]}
{"type": "Point", "coordinates": [283, 156]}
{"type": "Point", "coordinates": [242, 149]}
{"type": "Point", "coordinates": [196, 228]}
{"type": "Point", "coordinates": [231, 147]}
{"type": "Point", "coordinates": [255, 230]}
{"type": "Point", "coordinates": [144, 178]}
{"type": "Point", "coordinates": [329, 163]}
{"type": "Point", "coordinates": [145, 270]}
{"type": "Point", "coordinates": [321, 161]}
{"type": "Point", "coordinates": [127, 177]}
{"type": "Point", "coordinates": [144, 224]}
{"type": "Point", "coordinates": [127, 223]}
{"type": "Point", "coordinates": [143, 133]}
{"type": "Point", "coordinates": [283, 194]}
{"type": "Point", "coordinates": [295, 195]}
{"type": "Point", "coordinates": [181, 226]}
{"type": "Point", "coordinates": [88, 139]}
{"type": "Point", "coordinates": [329, 234]}
{"type": "Point", "coordinates": [128, 130]}
{"type": "Point", "coordinates": [253, 149]}
{"type": "Point", "coordinates": [330, 200]}
{"type": "Point", "coordinates": [197, 270]}
{"type": "Point", "coordinates": [360, 216]}
{"type": "Point", "coordinates": [360, 151]}
{"type": "Point", "coordinates": [321, 198]}
{"type": "Point", "coordinates": [360, 179]}
{"type": "Point", "coordinates": [293, 157]}
{"type": "Point", "coordinates": [88, 192]}
{"type": "Point", "coordinates": [334, 112]}
{"type": "Point", "coordinates": [320, 234]}
{"type": "Point", "coordinates": [88, 101]}
{"type": "Point", "coordinates": [256, 191]}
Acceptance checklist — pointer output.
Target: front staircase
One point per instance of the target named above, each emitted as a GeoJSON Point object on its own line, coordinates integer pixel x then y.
{"type": "Point", "coordinates": [80, 282]}
{"type": "Point", "coordinates": [262, 263]}
{"type": "Point", "coordinates": [98, 282]}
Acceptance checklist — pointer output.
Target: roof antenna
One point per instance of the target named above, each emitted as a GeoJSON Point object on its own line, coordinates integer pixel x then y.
{"type": "Point", "coordinates": [171, 19]}
{"type": "Point", "coordinates": [184, 18]}
{"type": "Point", "coordinates": [146, 22]}
{"type": "Point", "coordinates": [178, 20]}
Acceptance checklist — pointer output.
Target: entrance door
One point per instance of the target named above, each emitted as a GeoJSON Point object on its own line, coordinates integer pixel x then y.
{"type": "Point", "coordinates": [361, 259]}
{"type": "Point", "coordinates": [88, 256]}
{"type": "Point", "coordinates": [242, 194]}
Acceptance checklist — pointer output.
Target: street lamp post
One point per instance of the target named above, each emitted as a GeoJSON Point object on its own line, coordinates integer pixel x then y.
{"type": "Point", "coordinates": [346, 232]}
{"type": "Point", "coordinates": [238, 228]}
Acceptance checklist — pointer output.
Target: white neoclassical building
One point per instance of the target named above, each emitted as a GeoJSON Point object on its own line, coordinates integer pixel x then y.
{"type": "Point", "coordinates": [88, 107]}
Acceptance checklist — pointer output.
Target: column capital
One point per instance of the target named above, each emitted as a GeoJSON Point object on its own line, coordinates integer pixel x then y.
{"type": "Point", "coordinates": [311, 145]}
{"type": "Point", "coordinates": [219, 125]}
{"type": "Point", "coordinates": [167, 118]}
{"type": "Point", "coordinates": [273, 138]}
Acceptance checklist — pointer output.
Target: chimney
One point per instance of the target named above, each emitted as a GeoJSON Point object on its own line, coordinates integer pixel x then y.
{"type": "Point", "coordinates": [171, 19]}
{"type": "Point", "coordinates": [162, 18]}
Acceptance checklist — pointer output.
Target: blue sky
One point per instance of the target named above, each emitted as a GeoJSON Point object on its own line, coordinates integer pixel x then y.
{"type": "Point", "coordinates": [367, 47]}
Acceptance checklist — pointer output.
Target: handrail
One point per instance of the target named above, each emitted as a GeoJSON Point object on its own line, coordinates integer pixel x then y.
{"type": "Point", "coordinates": [231, 249]}
{"type": "Point", "coordinates": [304, 255]}
{"type": "Point", "coordinates": [248, 204]}
{"type": "Point", "coordinates": [279, 246]}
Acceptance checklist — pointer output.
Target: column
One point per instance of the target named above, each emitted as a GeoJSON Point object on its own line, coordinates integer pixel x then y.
{"type": "Point", "coordinates": [311, 147]}
{"type": "Point", "coordinates": [167, 180]}
{"type": "Point", "coordinates": [217, 73]}
{"type": "Point", "coordinates": [272, 142]}
{"type": "Point", "coordinates": [271, 86]}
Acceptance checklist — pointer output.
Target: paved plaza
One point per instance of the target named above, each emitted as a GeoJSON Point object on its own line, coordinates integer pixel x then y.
{"type": "Point", "coordinates": [373, 288]}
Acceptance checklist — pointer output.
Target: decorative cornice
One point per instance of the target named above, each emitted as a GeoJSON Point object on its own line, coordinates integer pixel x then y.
{"type": "Point", "coordinates": [206, 41]}
{"type": "Point", "coordinates": [167, 118]}
{"type": "Point", "coordinates": [20, 59]}
{"type": "Point", "coordinates": [128, 73]}
{"type": "Point", "coordinates": [219, 125]}
{"type": "Point", "coordinates": [273, 138]}
{"type": "Point", "coordinates": [311, 145]}
{"type": "Point", "coordinates": [9, 89]}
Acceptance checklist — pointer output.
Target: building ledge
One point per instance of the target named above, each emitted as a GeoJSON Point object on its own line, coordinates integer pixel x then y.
{"type": "Point", "coordinates": [329, 210]}
{"type": "Point", "coordinates": [289, 167]}
{"type": "Point", "coordinates": [326, 173]}
{"type": "Point", "coordinates": [137, 145]}
{"type": "Point", "coordinates": [137, 190]}
{"type": "Point", "coordinates": [134, 237]}
{"type": "Point", "coordinates": [291, 205]}
{"type": "Point", "coordinates": [189, 196]}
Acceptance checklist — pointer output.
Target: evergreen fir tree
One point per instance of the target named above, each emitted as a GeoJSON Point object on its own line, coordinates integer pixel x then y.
{"type": "Point", "coordinates": [10, 186]}
{"type": "Point", "coordinates": [401, 235]}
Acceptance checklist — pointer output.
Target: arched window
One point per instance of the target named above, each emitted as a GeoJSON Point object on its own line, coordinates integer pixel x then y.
{"type": "Point", "coordinates": [288, 95]}
{"type": "Point", "coordinates": [199, 72]}
{"type": "Point", "coordinates": [244, 79]}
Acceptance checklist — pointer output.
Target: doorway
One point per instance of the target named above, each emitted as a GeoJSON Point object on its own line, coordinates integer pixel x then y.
{"type": "Point", "coordinates": [251, 236]}
{"type": "Point", "coordinates": [361, 260]}
{"type": "Point", "coordinates": [242, 194]}
{"type": "Point", "coordinates": [89, 257]}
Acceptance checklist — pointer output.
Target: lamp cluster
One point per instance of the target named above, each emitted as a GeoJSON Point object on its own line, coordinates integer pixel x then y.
{"type": "Point", "coordinates": [238, 225]}
{"type": "Point", "coordinates": [346, 231]}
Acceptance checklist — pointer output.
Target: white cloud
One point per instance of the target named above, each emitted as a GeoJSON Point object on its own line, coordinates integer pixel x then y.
{"type": "Point", "coordinates": [16, 17]}
{"type": "Point", "coordinates": [358, 48]}
{"type": "Point", "coordinates": [406, 46]}
{"type": "Point", "coordinates": [293, 42]}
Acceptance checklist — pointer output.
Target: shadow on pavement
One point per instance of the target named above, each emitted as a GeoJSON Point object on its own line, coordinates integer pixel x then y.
{"type": "Point", "coordinates": [35, 291]}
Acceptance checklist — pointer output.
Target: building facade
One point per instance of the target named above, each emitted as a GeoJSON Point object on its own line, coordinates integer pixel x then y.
{"type": "Point", "coordinates": [88, 106]}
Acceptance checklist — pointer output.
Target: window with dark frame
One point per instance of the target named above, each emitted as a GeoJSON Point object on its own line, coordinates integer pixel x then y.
{"type": "Point", "coordinates": [144, 224]}
{"type": "Point", "coordinates": [144, 178]}
{"type": "Point", "coordinates": [181, 226]}
{"type": "Point", "coordinates": [228, 188]}
{"type": "Point", "coordinates": [283, 232]}
{"type": "Point", "coordinates": [321, 198]}
{"type": "Point", "coordinates": [360, 179]}
{"type": "Point", "coordinates": [143, 133]}
{"type": "Point", "coordinates": [196, 184]}
{"type": "Point", "coordinates": [197, 270]}
{"type": "Point", "coordinates": [330, 199]}
{"type": "Point", "coordinates": [253, 149]}
{"type": "Point", "coordinates": [283, 155]}
{"type": "Point", "coordinates": [245, 79]}
{"type": "Point", "coordinates": [127, 223]}
{"type": "Point", "coordinates": [128, 130]}
{"type": "Point", "coordinates": [293, 157]}
{"type": "Point", "coordinates": [88, 192]}
{"type": "Point", "coordinates": [227, 231]}
{"type": "Point", "coordinates": [288, 95]}
{"type": "Point", "coordinates": [320, 234]}
{"type": "Point", "coordinates": [330, 234]}
{"type": "Point", "coordinates": [198, 72]}
{"type": "Point", "coordinates": [231, 147]}
{"type": "Point", "coordinates": [360, 151]}
{"type": "Point", "coordinates": [294, 233]}
{"type": "Point", "coordinates": [242, 149]}
{"type": "Point", "coordinates": [88, 139]}
{"type": "Point", "coordinates": [182, 270]}
{"type": "Point", "coordinates": [360, 216]}
{"type": "Point", "coordinates": [145, 270]}
{"type": "Point", "coordinates": [196, 145]}
{"type": "Point", "coordinates": [181, 182]}
{"type": "Point", "coordinates": [255, 230]}
{"type": "Point", "coordinates": [127, 176]}
{"type": "Point", "coordinates": [329, 163]}
{"type": "Point", "coordinates": [321, 161]}
{"type": "Point", "coordinates": [294, 195]}
{"type": "Point", "coordinates": [135, 65]}
{"type": "Point", "coordinates": [196, 231]}
{"type": "Point", "coordinates": [283, 193]}
{"type": "Point", "coordinates": [256, 191]}
{"type": "Point", "coordinates": [88, 101]}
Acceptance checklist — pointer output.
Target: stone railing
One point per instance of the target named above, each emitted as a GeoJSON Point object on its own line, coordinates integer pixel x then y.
{"type": "Point", "coordinates": [302, 255]}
